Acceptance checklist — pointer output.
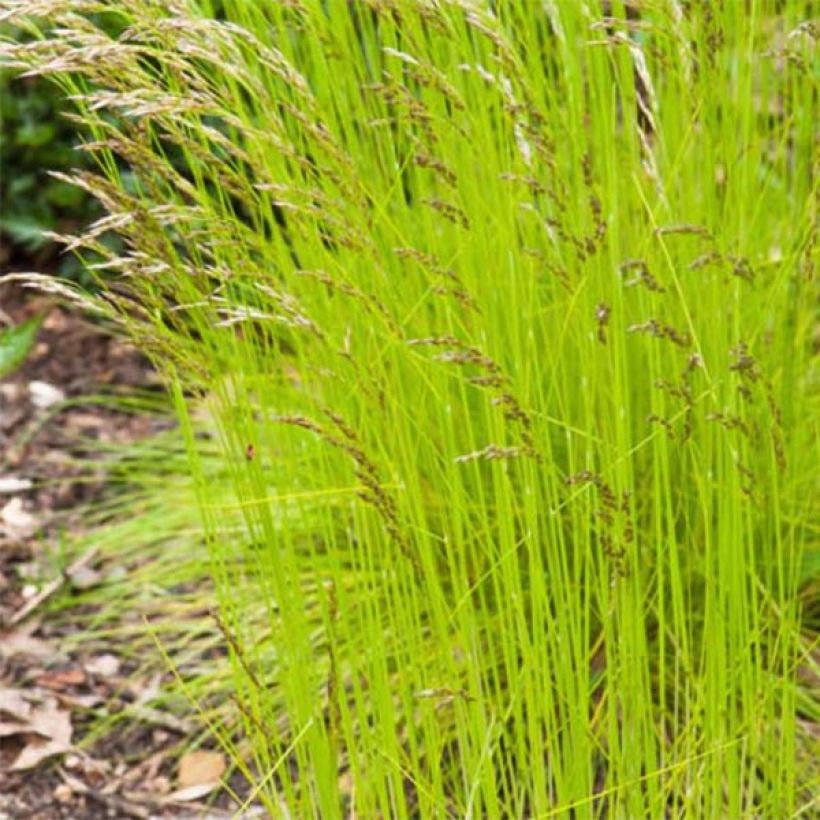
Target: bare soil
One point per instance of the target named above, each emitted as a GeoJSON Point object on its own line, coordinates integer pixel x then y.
{"type": "Point", "coordinates": [48, 695]}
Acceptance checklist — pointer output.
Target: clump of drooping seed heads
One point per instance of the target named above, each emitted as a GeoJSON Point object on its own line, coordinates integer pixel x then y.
{"type": "Point", "coordinates": [451, 212]}
{"type": "Point", "coordinates": [528, 124]}
{"type": "Point", "coordinates": [400, 101]}
{"type": "Point", "coordinates": [746, 366]}
{"type": "Point", "coordinates": [335, 284]}
{"type": "Point", "coordinates": [236, 649]}
{"type": "Point", "coordinates": [616, 531]}
{"type": "Point", "coordinates": [280, 307]}
{"type": "Point", "coordinates": [373, 491]}
{"type": "Point", "coordinates": [583, 246]}
{"type": "Point", "coordinates": [530, 182]}
{"type": "Point", "coordinates": [681, 391]}
{"type": "Point", "coordinates": [712, 43]}
{"type": "Point", "coordinates": [798, 43]}
{"type": "Point", "coordinates": [169, 111]}
{"type": "Point", "coordinates": [484, 21]}
{"type": "Point", "coordinates": [427, 76]}
{"type": "Point", "coordinates": [561, 274]}
{"type": "Point", "coordinates": [513, 412]}
{"type": "Point", "coordinates": [447, 283]}
{"type": "Point", "coordinates": [654, 418]}
{"type": "Point", "coordinates": [593, 242]}
{"type": "Point", "coordinates": [739, 265]}
{"type": "Point", "coordinates": [641, 275]}
{"type": "Point", "coordinates": [684, 230]}
{"type": "Point", "coordinates": [620, 33]}
{"type": "Point", "coordinates": [660, 330]}
{"type": "Point", "coordinates": [148, 257]}
{"type": "Point", "coordinates": [492, 379]}
{"type": "Point", "coordinates": [492, 452]}
{"type": "Point", "coordinates": [731, 421]}
{"type": "Point", "coordinates": [748, 482]}
{"type": "Point", "coordinates": [693, 363]}
{"type": "Point", "coordinates": [602, 314]}
{"type": "Point", "coordinates": [706, 259]}
{"type": "Point", "coordinates": [742, 268]}
{"type": "Point", "coordinates": [315, 214]}
{"type": "Point", "coordinates": [425, 160]}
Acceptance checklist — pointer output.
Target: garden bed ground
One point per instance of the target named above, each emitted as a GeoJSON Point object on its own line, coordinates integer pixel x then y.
{"type": "Point", "coordinates": [48, 694]}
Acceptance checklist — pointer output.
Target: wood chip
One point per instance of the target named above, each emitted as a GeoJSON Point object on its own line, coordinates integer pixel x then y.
{"type": "Point", "coordinates": [201, 767]}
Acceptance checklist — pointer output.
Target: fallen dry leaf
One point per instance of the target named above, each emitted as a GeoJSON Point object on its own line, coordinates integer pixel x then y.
{"type": "Point", "coordinates": [85, 578]}
{"type": "Point", "coordinates": [200, 767]}
{"type": "Point", "coordinates": [147, 769]}
{"type": "Point", "coordinates": [63, 793]}
{"type": "Point", "coordinates": [21, 642]}
{"type": "Point", "coordinates": [159, 785]}
{"type": "Point", "coordinates": [191, 792]}
{"type": "Point", "coordinates": [74, 783]}
{"type": "Point", "coordinates": [12, 484]}
{"type": "Point", "coordinates": [10, 728]}
{"type": "Point", "coordinates": [44, 395]}
{"type": "Point", "coordinates": [94, 769]}
{"type": "Point", "coordinates": [74, 701]}
{"type": "Point", "coordinates": [62, 679]}
{"type": "Point", "coordinates": [15, 522]}
{"type": "Point", "coordinates": [47, 731]}
{"type": "Point", "coordinates": [13, 704]}
{"type": "Point", "coordinates": [37, 750]}
{"type": "Point", "coordinates": [105, 666]}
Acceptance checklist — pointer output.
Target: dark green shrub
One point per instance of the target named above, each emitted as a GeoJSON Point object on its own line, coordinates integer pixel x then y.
{"type": "Point", "coordinates": [38, 138]}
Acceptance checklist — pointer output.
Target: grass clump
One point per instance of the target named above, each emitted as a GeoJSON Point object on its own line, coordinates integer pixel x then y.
{"type": "Point", "coordinates": [504, 317]}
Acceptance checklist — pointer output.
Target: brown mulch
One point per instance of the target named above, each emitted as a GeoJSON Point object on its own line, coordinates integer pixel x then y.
{"type": "Point", "coordinates": [47, 694]}
{"type": "Point", "coordinates": [40, 442]}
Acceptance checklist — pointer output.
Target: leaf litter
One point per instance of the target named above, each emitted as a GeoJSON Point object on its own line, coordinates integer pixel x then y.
{"type": "Point", "coordinates": [49, 695]}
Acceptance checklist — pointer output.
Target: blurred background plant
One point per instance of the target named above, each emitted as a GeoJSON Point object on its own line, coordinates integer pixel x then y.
{"type": "Point", "coordinates": [38, 137]}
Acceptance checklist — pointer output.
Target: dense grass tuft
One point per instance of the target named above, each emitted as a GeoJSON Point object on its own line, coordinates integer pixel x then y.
{"type": "Point", "coordinates": [504, 314]}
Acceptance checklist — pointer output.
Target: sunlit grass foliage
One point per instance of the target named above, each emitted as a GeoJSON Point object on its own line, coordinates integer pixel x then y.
{"type": "Point", "coordinates": [504, 312]}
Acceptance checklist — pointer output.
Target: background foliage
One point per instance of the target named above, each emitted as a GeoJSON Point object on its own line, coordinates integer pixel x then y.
{"type": "Point", "coordinates": [38, 136]}
{"type": "Point", "coordinates": [36, 139]}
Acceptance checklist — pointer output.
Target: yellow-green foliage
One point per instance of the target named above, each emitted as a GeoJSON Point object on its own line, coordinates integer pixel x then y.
{"type": "Point", "coordinates": [504, 311]}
